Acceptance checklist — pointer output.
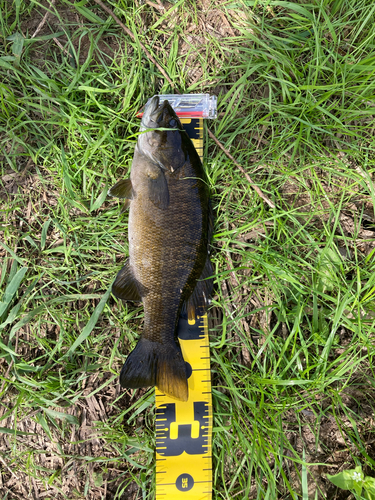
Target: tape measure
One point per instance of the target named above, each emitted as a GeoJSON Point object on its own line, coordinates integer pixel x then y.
{"type": "Point", "coordinates": [194, 129]}
{"type": "Point", "coordinates": [184, 429]}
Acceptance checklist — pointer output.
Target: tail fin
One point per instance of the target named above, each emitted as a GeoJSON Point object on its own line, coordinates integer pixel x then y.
{"type": "Point", "coordinates": [152, 363]}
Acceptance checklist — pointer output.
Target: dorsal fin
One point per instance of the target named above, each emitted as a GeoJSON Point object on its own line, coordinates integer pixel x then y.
{"type": "Point", "coordinates": [199, 299]}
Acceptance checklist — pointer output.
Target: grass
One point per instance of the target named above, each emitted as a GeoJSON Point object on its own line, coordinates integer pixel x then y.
{"type": "Point", "coordinates": [292, 353]}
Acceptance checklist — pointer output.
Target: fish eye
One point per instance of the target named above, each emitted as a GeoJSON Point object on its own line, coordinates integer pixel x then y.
{"type": "Point", "coordinates": [173, 122]}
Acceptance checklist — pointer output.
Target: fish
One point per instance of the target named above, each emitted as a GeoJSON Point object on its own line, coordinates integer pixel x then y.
{"type": "Point", "coordinates": [169, 232]}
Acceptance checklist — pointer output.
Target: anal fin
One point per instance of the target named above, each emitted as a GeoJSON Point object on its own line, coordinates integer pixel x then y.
{"type": "Point", "coordinates": [126, 286]}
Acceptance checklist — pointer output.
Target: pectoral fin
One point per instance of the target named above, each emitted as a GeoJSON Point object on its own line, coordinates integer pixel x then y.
{"type": "Point", "coordinates": [122, 189]}
{"type": "Point", "coordinates": [158, 188]}
{"type": "Point", "coordinates": [125, 206]}
{"type": "Point", "coordinates": [126, 287]}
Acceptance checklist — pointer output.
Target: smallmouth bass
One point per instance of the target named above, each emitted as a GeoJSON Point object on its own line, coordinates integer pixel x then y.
{"type": "Point", "coordinates": [170, 227]}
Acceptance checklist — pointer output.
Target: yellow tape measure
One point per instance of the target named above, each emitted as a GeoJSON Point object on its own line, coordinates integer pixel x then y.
{"type": "Point", "coordinates": [184, 429]}
{"type": "Point", "coordinates": [194, 128]}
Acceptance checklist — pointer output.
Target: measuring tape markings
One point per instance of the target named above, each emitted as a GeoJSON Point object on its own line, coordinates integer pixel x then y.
{"type": "Point", "coordinates": [194, 129]}
{"type": "Point", "coordinates": [183, 429]}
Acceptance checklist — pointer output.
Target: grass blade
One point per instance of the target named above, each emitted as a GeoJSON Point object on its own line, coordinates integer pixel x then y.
{"type": "Point", "coordinates": [91, 323]}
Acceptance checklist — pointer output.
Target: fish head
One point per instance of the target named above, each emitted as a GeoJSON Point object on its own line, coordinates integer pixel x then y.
{"type": "Point", "coordinates": [162, 136]}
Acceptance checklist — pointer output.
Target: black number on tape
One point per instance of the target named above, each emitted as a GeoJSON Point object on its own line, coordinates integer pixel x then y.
{"type": "Point", "coordinates": [184, 482]}
{"type": "Point", "coordinates": [190, 332]}
{"type": "Point", "coordinates": [167, 447]}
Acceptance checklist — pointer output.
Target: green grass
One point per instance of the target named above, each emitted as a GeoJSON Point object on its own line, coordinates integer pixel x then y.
{"type": "Point", "coordinates": [292, 356]}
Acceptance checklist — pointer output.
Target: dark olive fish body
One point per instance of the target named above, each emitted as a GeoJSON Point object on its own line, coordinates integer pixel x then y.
{"type": "Point", "coordinates": [169, 231]}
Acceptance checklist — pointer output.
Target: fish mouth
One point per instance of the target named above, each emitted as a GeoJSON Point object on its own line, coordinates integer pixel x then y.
{"type": "Point", "coordinates": [155, 116]}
